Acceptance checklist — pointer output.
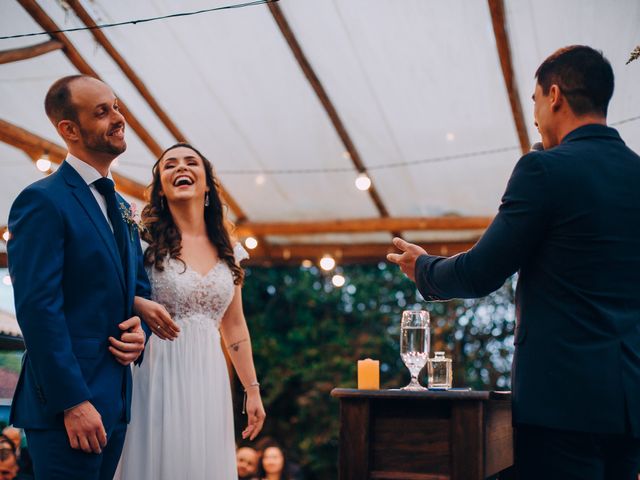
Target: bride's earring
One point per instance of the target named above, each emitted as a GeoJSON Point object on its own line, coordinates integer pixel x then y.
{"type": "Point", "coordinates": [206, 199]}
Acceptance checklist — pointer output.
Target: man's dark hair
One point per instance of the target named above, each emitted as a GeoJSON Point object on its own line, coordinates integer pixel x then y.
{"type": "Point", "coordinates": [584, 76]}
{"type": "Point", "coordinates": [58, 104]}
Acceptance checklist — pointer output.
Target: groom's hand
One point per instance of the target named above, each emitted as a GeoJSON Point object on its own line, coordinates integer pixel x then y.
{"type": "Point", "coordinates": [131, 343]}
{"type": "Point", "coordinates": [84, 428]}
{"type": "Point", "coordinates": [407, 259]}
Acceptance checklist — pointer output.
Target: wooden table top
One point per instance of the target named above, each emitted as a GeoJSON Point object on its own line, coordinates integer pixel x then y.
{"type": "Point", "coordinates": [426, 394]}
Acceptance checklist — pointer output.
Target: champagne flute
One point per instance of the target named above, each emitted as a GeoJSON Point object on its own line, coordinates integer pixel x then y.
{"type": "Point", "coordinates": [414, 344]}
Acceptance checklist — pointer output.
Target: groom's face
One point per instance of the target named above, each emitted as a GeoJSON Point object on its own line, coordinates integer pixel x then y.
{"type": "Point", "coordinates": [100, 123]}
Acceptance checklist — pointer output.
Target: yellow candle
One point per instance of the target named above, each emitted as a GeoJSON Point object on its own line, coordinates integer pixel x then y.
{"type": "Point", "coordinates": [368, 374]}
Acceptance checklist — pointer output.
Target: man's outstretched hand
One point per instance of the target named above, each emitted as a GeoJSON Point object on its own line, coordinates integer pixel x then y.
{"type": "Point", "coordinates": [407, 259]}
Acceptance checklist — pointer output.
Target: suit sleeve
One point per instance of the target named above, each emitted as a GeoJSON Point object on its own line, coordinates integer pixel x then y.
{"type": "Point", "coordinates": [514, 234]}
{"type": "Point", "coordinates": [36, 261]}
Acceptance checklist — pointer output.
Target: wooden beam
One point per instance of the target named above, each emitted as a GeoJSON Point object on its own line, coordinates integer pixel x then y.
{"type": "Point", "coordinates": [3, 259]}
{"type": "Point", "coordinates": [24, 53]}
{"type": "Point", "coordinates": [363, 225]}
{"type": "Point", "coordinates": [313, 79]}
{"type": "Point", "coordinates": [504, 52]}
{"type": "Point", "coordinates": [344, 253]}
{"type": "Point", "coordinates": [34, 146]}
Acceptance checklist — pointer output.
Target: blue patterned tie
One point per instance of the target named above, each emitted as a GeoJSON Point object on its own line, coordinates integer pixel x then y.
{"type": "Point", "coordinates": [107, 189]}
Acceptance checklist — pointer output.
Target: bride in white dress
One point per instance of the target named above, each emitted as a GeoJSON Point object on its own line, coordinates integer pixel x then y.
{"type": "Point", "coordinates": [182, 418]}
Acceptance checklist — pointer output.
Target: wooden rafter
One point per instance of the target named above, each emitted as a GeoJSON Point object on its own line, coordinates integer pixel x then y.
{"type": "Point", "coordinates": [496, 8]}
{"type": "Point", "coordinates": [313, 79]}
{"type": "Point", "coordinates": [41, 17]}
{"type": "Point", "coordinates": [364, 225]}
{"type": "Point", "coordinates": [344, 254]}
{"type": "Point", "coordinates": [34, 146]}
{"type": "Point", "coordinates": [24, 53]}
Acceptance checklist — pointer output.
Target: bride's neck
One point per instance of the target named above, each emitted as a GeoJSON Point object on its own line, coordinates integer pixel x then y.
{"type": "Point", "coordinates": [189, 218]}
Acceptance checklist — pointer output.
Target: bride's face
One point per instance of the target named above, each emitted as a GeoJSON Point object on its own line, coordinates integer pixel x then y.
{"type": "Point", "coordinates": [182, 176]}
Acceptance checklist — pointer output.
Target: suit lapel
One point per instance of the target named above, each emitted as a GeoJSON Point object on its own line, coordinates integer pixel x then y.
{"type": "Point", "coordinates": [132, 261]}
{"type": "Point", "coordinates": [83, 195]}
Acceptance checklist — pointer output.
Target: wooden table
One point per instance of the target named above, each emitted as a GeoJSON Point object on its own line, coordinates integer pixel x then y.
{"type": "Point", "coordinates": [432, 435]}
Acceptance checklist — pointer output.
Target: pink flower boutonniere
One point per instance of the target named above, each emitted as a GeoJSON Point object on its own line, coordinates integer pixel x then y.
{"type": "Point", "coordinates": [131, 216]}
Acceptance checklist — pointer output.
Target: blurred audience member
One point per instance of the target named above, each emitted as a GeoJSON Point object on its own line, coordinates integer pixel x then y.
{"type": "Point", "coordinates": [22, 453]}
{"type": "Point", "coordinates": [8, 461]}
{"type": "Point", "coordinates": [247, 459]}
{"type": "Point", "coordinates": [273, 464]}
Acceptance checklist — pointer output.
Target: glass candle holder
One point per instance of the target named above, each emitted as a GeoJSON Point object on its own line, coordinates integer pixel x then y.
{"type": "Point", "coordinates": [440, 374]}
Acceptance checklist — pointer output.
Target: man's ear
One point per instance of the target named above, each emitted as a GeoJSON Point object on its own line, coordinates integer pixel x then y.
{"type": "Point", "coordinates": [555, 97]}
{"type": "Point", "coordinates": [69, 130]}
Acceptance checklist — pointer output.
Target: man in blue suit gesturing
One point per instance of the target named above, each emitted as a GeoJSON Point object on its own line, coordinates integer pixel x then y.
{"type": "Point", "coordinates": [569, 223]}
{"type": "Point", "coordinates": [76, 265]}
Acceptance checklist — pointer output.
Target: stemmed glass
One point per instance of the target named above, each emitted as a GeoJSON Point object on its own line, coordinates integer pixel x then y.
{"type": "Point", "coordinates": [414, 344]}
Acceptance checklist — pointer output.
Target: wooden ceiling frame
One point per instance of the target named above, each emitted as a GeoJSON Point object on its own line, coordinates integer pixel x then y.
{"type": "Point", "coordinates": [24, 53]}
{"type": "Point", "coordinates": [366, 225]}
{"type": "Point", "coordinates": [498, 19]}
{"type": "Point", "coordinates": [326, 102]}
{"type": "Point", "coordinates": [34, 146]}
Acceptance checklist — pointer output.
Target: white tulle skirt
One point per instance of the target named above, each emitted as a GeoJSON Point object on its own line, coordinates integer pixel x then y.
{"type": "Point", "coordinates": [181, 413]}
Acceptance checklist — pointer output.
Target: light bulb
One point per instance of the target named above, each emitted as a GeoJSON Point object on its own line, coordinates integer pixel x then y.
{"type": "Point", "coordinates": [338, 280]}
{"type": "Point", "coordinates": [6, 280]}
{"type": "Point", "coordinates": [251, 243]}
{"type": "Point", "coordinates": [327, 263]}
{"type": "Point", "coordinates": [43, 164]}
{"type": "Point", "coordinates": [363, 182]}
{"type": "Point", "coordinates": [307, 263]}
{"type": "Point", "coordinates": [6, 235]}
{"type": "Point", "coordinates": [260, 180]}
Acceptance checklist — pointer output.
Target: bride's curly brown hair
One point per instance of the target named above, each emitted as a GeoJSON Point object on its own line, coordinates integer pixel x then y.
{"type": "Point", "coordinates": [164, 238]}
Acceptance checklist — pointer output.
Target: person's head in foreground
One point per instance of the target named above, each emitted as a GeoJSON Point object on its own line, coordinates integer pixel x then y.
{"type": "Point", "coordinates": [573, 87]}
{"type": "Point", "coordinates": [247, 459]}
{"type": "Point", "coordinates": [85, 113]}
{"type": "Point", "coordinates": [14, 435]}
{"type": "Point", "coordinates": [184, 183]}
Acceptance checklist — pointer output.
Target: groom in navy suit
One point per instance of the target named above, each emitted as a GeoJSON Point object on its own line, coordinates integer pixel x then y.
{"type": "Point", "coordinates": [569, 223]}
{"type": "Point", "coordinates": [76, 265]}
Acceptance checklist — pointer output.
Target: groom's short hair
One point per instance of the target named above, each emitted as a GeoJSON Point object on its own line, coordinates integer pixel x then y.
{"type": "Point", "coordinates": [58, 104]}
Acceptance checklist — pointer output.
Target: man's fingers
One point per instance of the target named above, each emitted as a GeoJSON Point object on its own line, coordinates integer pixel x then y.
{"type": "Point", "coordinates": [132, 337]}
{"type": "Point", "coordinates": [84, 443]}
{"type": "Point", "coordinates": [394, 257]}
{"type": "Point", "coordinates": [123, 358]}
{"type": "Point", "coordinates": [102, 437]}
{"type": "Point", "coordinates": [126, 346]}
{"type": "Point", "coordinates": [400, 244]}
{"type": "Point", "coordinates": [94, 443]}
{"type": "Point", "coordinates": [130, 323]}
{"type": "Point", "coordinates": [73, 440]}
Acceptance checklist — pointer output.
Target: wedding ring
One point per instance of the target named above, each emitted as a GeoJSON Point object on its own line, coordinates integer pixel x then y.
{"type": "Point", "coordinates": [158, 327]}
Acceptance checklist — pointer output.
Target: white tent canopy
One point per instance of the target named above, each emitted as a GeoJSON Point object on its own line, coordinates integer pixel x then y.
{"type": "Point", "coordinates": [417, 84]}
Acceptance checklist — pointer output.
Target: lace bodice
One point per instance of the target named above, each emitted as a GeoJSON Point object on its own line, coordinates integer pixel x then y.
{"type": "Point", "coordinates": [190, 297]}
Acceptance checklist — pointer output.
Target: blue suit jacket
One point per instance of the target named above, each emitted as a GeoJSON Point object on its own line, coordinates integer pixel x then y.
{"type": "Point", "coordinates": [569, 222]}
{"type": "Point", "coordinates": [70, 295]}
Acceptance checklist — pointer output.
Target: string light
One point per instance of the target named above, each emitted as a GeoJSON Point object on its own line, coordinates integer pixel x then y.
{"type": "Point", "coordinates": [6, 280]}
{"type": "Point", "coordinates": [363, 182]}
{"type": "Point", "coordinates": [6, 235]}
{"type": "Point", "coordinates": [327, 263]}
{"type": "Point", "coordinates": [307, 263]}
{"type": "Point", "coordinates": [251, 243]}
{"type": "Point", "coordinates": [260, 180]}
{"type": "Point", "coordinates": [44, 164]}
{"type": "Point", "coordinates": [141, 20]}
{"type": "Point", "coordinates": [338, 280]}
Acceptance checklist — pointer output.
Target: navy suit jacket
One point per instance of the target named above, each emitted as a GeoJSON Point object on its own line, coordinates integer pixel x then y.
{"type": "Point", "coordinates": [569, 223]}
{"type": "Point", "coordinates": [70, 294]}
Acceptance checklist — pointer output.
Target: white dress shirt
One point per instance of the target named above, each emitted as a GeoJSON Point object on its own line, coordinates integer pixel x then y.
{"type": "Point", "coordinates": [90, 175]}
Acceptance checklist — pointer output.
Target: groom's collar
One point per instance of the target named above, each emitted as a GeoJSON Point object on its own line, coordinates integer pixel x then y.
{"type": "Point", "coordinates": [86, 171]}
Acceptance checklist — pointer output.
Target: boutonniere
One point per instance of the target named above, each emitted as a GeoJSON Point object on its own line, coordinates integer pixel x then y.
{"type": "Point", "coordinates": [131, 217]}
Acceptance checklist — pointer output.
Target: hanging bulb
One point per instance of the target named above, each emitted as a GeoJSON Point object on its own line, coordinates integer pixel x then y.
{"type": "Point", "coordinates": [338, 280]}
{"type": "Point", "coordinates": [43, 163]}
{"type": "Point", "coordinates": [363, 182]}
{"type": "Point", "coordinates": [251, 243]}
{"type": "Point", "coordinates": [327, 263]}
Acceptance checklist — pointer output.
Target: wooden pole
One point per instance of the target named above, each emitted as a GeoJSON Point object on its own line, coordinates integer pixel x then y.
{"type": "Point", "coordinates": [24, 53]}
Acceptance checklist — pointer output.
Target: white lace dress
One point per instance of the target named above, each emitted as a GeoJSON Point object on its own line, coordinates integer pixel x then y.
{"type": "Point", "coordinates": [181, 412]}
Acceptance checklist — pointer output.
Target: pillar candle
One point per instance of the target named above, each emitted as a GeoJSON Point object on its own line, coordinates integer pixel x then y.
{"type": "Point", "coordinates": [369, 374]}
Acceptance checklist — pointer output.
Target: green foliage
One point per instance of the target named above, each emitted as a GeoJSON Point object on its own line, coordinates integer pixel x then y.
{"type": "Point", "coordinates": [307, 336]}
{"type": "Point", "coordinates": [11, 360]}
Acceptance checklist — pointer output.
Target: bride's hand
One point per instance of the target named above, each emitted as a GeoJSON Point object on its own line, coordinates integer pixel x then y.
{"type": "Point", "coordinates": [157, 318]}
{"type": "Point", "coordinates": [255, 414]}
